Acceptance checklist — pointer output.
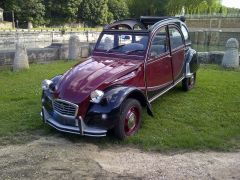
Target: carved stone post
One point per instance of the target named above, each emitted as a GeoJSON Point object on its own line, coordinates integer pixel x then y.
{"type": "Point", "coordinates": [231, 56]}
{"type": "Point", "coordinates": [74, 48]}
{"type": "Point", "coordinates": [21, 57]}
{"type": "Point", "coordinates": [30, 25]}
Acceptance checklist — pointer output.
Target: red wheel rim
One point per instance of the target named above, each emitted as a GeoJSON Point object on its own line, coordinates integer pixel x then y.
{"type": "Point", "coordinates": [131, 121]}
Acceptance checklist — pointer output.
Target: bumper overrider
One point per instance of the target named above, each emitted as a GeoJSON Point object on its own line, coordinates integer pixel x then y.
{"type": "Point", "coordinates": [62, 115]}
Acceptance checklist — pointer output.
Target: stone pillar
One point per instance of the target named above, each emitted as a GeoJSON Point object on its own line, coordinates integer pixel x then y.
{"type": "Point", "coordinates": [63, 51]}
{"type": "Point", "coordinates": [1, 15]}
{"type": "Point", "coordinates": [30, 25]}
{"type": "Point", "coordinates": [91, 47]}
{"type": "Point", "coordinates": [85, 51]}
{"type": "Point", "coordinates": [74, 48]}
{"type": "Point", "coordinates": [231, 56]}
{"type": "Point", "coordinates": [201, 37]}
{"type": "Point", "coordinates": [21, 57]}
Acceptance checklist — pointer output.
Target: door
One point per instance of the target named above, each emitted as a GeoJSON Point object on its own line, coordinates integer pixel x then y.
{"type": "Point", "coordinates": [158, 65]}
{"type": "Point", "coordinates": [177, 52]}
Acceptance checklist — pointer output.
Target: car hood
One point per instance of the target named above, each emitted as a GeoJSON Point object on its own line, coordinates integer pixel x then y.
{"type": "Point", "coordinates": [95, 73]}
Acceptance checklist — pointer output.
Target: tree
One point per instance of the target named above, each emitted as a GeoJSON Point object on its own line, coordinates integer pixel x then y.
{"type": "Point", "coordinates": [32, 10]}
{"type": "Point", "coordinates": [118, 8]}
{"type": "Point", "coordinates": [94, 12]}
{"type": "Point", "coordinates": [149, 8]}
{"type": "Point", "coordinates": [27, 10]}
{"type": "Point", "coordinates": [61, 11]}
{"type": "Point", "coordinates": [2, 3]}
{"type": "Point", "coordinates": [193, 6]}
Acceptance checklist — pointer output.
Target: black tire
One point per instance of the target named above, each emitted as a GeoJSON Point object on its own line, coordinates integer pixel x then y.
{"type": "Point", "coordinates": [131, 110]}
{"type": "Point", "coordinates": [189, 83]}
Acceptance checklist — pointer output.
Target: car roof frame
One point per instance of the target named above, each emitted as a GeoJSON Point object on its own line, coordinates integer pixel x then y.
{"type": "Point", "coordinates": [153, 21]}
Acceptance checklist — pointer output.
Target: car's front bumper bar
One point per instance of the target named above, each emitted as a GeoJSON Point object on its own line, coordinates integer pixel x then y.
{"type": "Point", "coordinates": [80, 128]}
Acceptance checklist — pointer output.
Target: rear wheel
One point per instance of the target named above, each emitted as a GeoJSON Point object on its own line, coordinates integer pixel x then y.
{"type": "Point", "coordinates": [129, 120]}
{"type": "Point", "coordinates": [189, 83]}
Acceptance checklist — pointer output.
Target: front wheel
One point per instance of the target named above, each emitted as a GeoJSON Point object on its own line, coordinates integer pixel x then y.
{"type": "Point", "coordinates": [129, 120]}
{"type": "Point", "coordinates": [189, 83]}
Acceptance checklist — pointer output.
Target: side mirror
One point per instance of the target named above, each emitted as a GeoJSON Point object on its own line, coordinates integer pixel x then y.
{"type": "Point", "coordinates": [126, 37]}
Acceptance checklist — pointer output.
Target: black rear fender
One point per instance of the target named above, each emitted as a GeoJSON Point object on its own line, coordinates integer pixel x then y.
{"type": "Point", "coordinates": [192, 63]}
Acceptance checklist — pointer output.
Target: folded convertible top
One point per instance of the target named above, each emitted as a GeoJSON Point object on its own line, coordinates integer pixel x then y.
{"type": "Point", "coordinates": [143, 23]}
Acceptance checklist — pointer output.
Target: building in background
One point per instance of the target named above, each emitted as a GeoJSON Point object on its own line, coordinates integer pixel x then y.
{"type": "Point", "coordinates": [4, 24]}
{"type": "Point", "coordinates": [1, 15]}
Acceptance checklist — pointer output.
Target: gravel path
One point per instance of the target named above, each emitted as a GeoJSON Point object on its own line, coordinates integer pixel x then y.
{"type": "Point", "coordinates": [58, 158]}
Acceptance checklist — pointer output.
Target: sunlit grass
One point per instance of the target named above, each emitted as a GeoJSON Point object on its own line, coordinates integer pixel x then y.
{"type": "Point", "coordinates": [206, 118]}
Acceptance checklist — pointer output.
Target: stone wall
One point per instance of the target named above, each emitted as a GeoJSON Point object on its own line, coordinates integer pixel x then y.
{"type": "Point", "coordinates": [209, 38]}
{"type": "Point", "coordinates": [34, 56]}
{"type": "Point", "coordinates": [44, 55]}
{"type": "Point", "coordinates": [41, 39]}
{"type": "Point", "coordinates": [5, 25]}
{"type": "Point", "coordinates": [213, 22]}
{"type": "Point", "coordinates": [214, 57]}
{"type": "Point", "coordinates": [60, 52]}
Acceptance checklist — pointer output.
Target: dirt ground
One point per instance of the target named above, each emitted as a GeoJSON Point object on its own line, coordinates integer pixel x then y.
{"type": "Point", "coordinates": [57, 158]}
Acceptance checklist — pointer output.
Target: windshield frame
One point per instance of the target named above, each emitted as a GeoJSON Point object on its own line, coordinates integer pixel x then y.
{"type": "Point", "coordinates": [99, 52]}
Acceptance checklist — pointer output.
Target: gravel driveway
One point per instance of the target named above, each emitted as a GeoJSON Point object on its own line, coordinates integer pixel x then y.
{"type": "Point", "coordinates": [58, 158]}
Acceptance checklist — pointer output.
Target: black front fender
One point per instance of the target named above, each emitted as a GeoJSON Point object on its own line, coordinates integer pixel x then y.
{"type": "Point", "coordinates": [55, 79]}
{"type": "Point", "coordinates": [108, 110]}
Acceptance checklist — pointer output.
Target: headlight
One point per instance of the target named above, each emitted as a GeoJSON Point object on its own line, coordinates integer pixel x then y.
{"type": "Point", "coordinates": [96, 96]}
{"type": "Point", "coordinates": [45, 84]}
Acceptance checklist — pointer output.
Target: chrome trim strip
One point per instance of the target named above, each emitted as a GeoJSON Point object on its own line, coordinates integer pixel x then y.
{"type": "Point", "coordinates": [66, 116]}
{"type": "Point", "coordinates": [158, 58]}
{"type": "Point", "coordinates": [86, 131]}
{"type": "Point", "coordinates": [158, 95]}
{"type": "Point", "coordinates": [154, 88]}
{"type": "Point", "coordinates": [81, 125]}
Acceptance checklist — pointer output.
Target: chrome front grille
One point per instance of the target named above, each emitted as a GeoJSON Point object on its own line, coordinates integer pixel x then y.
{"type": "Point", "coordinates": [65, 108]}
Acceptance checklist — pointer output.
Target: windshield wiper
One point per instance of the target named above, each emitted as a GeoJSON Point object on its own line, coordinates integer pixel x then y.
{"type": "Point", "coordinates": [117, 47]}
{"type": "Point", "coordinates": [136, 50]}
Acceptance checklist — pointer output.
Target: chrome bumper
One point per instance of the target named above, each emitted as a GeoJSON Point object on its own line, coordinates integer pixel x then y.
{"type": "Point", "coordinates": [81, 128]}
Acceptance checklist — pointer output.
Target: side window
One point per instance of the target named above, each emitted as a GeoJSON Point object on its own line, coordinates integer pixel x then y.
{"type": "Point", "coordinates": [159, 43]}
{"type": "Point", "coordinates": [107, 42]}
{"type": "Point", "coordinates": [175, 37]}
{"type": "Point", "coordinates": [185, 32]}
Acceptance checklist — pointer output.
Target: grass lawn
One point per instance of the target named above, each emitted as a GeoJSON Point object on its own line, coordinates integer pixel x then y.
{"type": "Point", "coordinates": [206, 118]}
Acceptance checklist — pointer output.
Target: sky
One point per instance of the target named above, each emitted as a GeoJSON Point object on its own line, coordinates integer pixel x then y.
{"type": "Point", "coordinates": [231, 3]}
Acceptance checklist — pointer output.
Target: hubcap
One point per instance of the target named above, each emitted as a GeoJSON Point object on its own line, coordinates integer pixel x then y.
{"type": "Point", "coordinates": [131, 121]}
{"type": "Point", "coordinates": [191, 80]}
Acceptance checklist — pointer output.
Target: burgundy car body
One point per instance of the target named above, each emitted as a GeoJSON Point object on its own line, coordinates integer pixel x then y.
{"type": "Point", "coordinates": [67, 104]}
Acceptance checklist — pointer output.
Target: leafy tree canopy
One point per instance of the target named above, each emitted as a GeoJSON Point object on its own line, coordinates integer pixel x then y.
{"type": "Point", "coordinates": [118, 9]}
{"type": "Point", "coordinates": [193, 6]}
{"type": "Point", "coordinates": [27, 10]}
{"type": "Point", "coordinates": [94, 12]}
{"type": "Point", "coordinates": [61, 11]}
{"type": "Point", "coordinates": [147, 8]}
{"type": "Point", "coordinates": [99, 12]}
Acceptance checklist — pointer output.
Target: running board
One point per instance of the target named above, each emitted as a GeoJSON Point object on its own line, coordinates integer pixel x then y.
{"type": "Point", "coordinates": [166, 90]}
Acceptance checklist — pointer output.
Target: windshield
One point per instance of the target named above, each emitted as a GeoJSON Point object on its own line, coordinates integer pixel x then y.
{"type": "Point", "coordinates": [123, 43]}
